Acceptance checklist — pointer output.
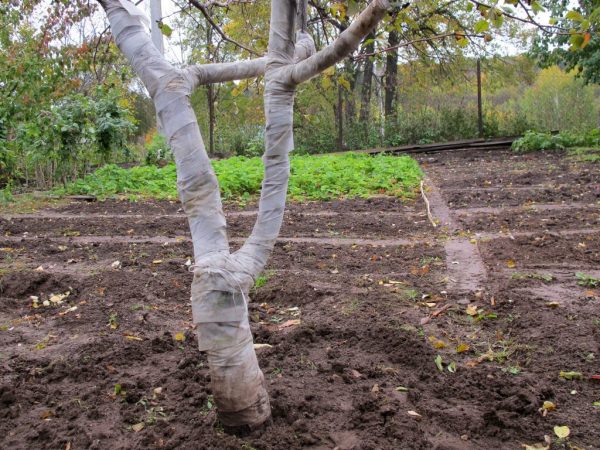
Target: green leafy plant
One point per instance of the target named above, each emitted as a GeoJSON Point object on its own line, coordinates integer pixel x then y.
{"type": "Point", "coordinates": [533, 141]}
{"type": "Point", "coordinates": [312, 178]}
{"type": "Point", "coordinates": [587, 280]}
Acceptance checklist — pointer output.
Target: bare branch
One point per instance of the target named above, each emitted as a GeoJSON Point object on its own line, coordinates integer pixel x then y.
{"type": "Point", "coordinates": [548, 29]}
{"type": "Point", "coordinates": [415, 41]}
{"type": "Point", "coordinates": [217, 28]}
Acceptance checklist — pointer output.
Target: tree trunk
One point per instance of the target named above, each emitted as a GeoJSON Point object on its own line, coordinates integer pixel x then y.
{"type": "Point", "coordinates": [222, 280]}
{"type": "Point", "coordinates": [391, 77]}
{"type": "Point", "coordinates": [339, 117]}
{"type": "Point", "coordinates": [210, 97]}
{"type": "Point", "coordinates": [367, 82]}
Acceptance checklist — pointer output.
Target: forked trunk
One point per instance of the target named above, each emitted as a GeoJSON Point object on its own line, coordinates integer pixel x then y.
{"type": "Point", "coordinates": [222, 280]}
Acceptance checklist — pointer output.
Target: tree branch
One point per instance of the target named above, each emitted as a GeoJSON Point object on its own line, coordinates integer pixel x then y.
{"type": "Point", "coordinates": [217, 28]}
{"type": "Point", "coordinates": [220, 72]}
{"type": "Point", "coordinates": [415, 41]}
{"type": "Point", "coordinates": [345, 43]}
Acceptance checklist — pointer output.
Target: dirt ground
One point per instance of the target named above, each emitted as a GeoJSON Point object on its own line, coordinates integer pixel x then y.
{"type": "Point", "coordinates": [384, 332]}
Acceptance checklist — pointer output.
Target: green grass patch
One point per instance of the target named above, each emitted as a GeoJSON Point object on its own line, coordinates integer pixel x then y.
{"type": "Point", "coordinates": [312, 178]}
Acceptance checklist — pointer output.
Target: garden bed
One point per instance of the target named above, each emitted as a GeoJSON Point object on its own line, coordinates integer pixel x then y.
{"type": "Point", "coordinates": [357, 305]}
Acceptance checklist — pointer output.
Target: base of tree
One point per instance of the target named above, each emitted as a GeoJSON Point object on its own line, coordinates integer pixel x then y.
{"type": "Point", "coordinates": [244, 422]}
{"type": "Point", "coordinates": [242, 431]}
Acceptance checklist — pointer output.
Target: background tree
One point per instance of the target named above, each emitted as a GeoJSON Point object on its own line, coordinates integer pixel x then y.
{"type": "Point", "coordinates": [577, 45]}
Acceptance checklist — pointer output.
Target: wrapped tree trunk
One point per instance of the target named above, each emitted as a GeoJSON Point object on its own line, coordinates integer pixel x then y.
{"type": "Point", "coordinates": [222, 279]}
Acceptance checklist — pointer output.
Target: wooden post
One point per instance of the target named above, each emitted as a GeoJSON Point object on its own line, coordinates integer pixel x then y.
{"type": "Point", "coordinates": [479, 105]}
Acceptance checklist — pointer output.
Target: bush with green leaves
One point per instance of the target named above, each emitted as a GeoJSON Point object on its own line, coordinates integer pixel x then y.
{"type": "Point", "coordinates": [312, 178]}
{"type": "Point", "coordinates": [63, 141]}
{"type": "Point", "coordinates": [158, 150]}
{"type": "Point", "coordinates": [533, 141]}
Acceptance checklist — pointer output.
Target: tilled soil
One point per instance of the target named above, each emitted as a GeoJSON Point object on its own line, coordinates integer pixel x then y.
{"type": "Point", "coordinates": [360, 299]}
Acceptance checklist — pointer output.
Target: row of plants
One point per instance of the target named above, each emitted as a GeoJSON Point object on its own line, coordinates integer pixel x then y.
{"type": "Point", "coordinates": [312, 178]}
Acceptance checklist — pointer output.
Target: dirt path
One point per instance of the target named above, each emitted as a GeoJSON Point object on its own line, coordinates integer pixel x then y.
{"type": "Point", "coordinates": [465, 268]}
{"type": "Point", "coordinates": [378, 340]}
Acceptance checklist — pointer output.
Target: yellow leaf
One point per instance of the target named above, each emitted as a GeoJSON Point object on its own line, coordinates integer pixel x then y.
{"type": "Point", "coordinates": [344, 83]}
{"type": "Point", "coordinates": [326, 82]}
{"type": "Point", "coordinates": [536, 447]}
{"type": "Point", "coordinates": [138, 427]}
{"type": "Point", "coordinates": [462, 348]}
{"type": "Point", "coordinates": [562, 431]}
{"type": "Point", "coordinates": [437, 343]}
{"type": "Point", "coordinates": [471, 310]}
{"type": "Point", "coordinates": [180, 337]}
{"type": "Point", "coordinates": [548, 406]}
{"type": "Point", "coordinates": [157, 261]}
{"type": "Point", "coordinates": [133, 338]}
{"type": "Point", "coordinates": [511, 264]}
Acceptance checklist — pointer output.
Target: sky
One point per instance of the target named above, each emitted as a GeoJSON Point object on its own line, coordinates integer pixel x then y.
{"type": "Point", "coordinates": [175, 53]}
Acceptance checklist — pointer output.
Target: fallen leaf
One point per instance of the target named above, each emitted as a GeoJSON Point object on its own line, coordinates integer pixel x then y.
{"type": "Point", "coordinates": [71, 309]}
{"type": "Point", "coordinates": [414, 414]}
{"type": "Point", "coordinates": [402, 389]}
{"type": "Point", "coordinates": [536, 447]}
{"type": "Point", "coordinates": [157, 261]}
{"type": "Point", "coordinates": [180, 337]}
{"type": "Point", "coordinates": [552, 304]}
{"type": "Point", "coordinates": [437, 343]}
{"type": "Point", "coordinates": [116, 265]}
{"type": "Point", "coordinates": [548, 406]}
{"type": "Point", "coordinates": [132, 337]}
{"type": "Point", "coordinates": [58, 298]}
{"type": "Point", "coordinates": [439, 363]}
{"type": "Point", "coordinates": [289, 323]}
{"type": "Point", "coordinates": [138, 427]}
{"type": "Point", "coordinates": [570, 375]}
{"type": "Point", "coordinates": [511, 264]}
{"type": "Point", "coordinates": [451, 367]}
{"type": "Point", "coordinates": [462, 348]}
{"type": "Point", "coordinates": [47, 414]}
{"type": "Point", "coordinates": [375, 388]}
{"type": "Point", "coordinates": [259, 346]}
{"type": "Point", "coordinates": [471, 310]}
{"type": "Point", "coordinates": [562, 431]}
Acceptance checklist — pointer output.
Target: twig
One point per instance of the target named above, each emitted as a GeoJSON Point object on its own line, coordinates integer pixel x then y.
{"type": "Point", "coordinates": [217, 28]}
{"type": "Point", "coordinates": [424, 39]}
{"type": "Point", "coordinates": [429, 216]}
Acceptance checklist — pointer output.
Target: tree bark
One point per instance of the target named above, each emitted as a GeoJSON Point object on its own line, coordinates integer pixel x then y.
{"type": "Point", "coordinates": [367, 82]}
{"type": "Point", "coordinates": [391, 77]}
{"type": "Point", "coordinates": [339, 117]}
{"type": "Point", "coordinates": [222, 280]}
{"type": "Point", "coordinates": [210, 99]}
